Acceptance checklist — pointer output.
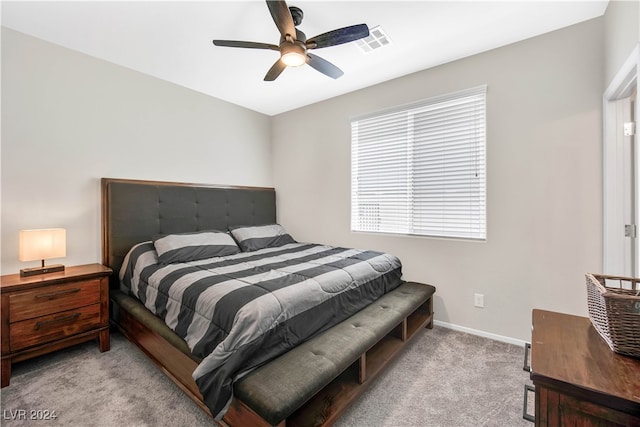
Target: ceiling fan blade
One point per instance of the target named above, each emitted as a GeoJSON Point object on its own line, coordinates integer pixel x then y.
{"type": "Point", "coordinates": [324, 66]}
{"type": "Point", "coordinates": [249, 45]}
{"type": "Point", "coordinates": [275, 71]}
{"type": "Point", "coordinates": [339, 36]}
{"type": "Point", "coordinates": [282, 17]}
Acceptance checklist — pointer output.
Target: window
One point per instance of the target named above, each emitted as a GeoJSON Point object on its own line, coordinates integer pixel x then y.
{"type": "Point", "coordinates": [420, 169]}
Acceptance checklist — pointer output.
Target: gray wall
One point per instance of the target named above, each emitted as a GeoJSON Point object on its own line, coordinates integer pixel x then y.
{"type": "Point", "coordinates": [543, 180]}
{"type": "Point", "coordinates": [69, 119]}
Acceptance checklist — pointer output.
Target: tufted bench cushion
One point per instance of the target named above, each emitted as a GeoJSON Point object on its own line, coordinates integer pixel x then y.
{"type": "Point", "coordinates": [275, 390]}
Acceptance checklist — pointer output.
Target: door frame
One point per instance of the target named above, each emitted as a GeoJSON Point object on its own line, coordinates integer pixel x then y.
{"type": "Point", "coordinates": [623, 85]}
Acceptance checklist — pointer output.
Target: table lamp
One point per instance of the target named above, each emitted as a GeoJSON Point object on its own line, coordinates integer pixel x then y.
{"type": "Point", "coordinates": [40, 245]}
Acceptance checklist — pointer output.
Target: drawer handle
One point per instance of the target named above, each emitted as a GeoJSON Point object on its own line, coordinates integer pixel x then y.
{"type": "Point", "coordinates": [527, 365]}
{"type": "Point", "coordinates": [57, 320]}
{"type": "Point", "coordinates": [525, 404]}
{"type": "Point", "coordinates": [53, 295]}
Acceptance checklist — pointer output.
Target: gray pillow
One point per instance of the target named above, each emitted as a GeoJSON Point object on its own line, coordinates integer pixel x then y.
{"type": "Point", "coordinates": [252, 238]}
{"type": "Point", "coordinates": [183, 247]}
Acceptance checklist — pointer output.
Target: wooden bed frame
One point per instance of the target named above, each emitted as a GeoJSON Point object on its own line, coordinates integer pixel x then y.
{"type": "Point", "coordinates": [173, 362]}
{"type": "Point", "coordinates": [179, 366]}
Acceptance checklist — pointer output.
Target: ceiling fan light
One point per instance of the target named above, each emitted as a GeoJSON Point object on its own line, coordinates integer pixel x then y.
{"type": "Point", "coordinates": [293, 59]}
{"type": "Point", "coordinates": [293, 54]}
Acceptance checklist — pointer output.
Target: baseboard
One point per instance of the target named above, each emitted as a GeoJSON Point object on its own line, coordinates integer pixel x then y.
{"type": "Point", "coordinates": [480, 333]}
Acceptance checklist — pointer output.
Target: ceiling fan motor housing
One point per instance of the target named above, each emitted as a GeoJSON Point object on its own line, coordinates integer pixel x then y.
{"type": "Point", "coordinates": [296, 14]}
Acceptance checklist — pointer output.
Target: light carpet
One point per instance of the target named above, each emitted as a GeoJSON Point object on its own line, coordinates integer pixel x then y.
{"type": "Point", "coordinates": [443, 378]}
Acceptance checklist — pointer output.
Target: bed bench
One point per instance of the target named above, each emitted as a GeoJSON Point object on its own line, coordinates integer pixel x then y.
{"type": "Point", "coordinates": [357, 348]}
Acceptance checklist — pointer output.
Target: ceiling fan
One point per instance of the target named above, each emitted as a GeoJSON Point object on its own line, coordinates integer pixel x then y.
{"type": "Point", "coordinates": [294, 45]}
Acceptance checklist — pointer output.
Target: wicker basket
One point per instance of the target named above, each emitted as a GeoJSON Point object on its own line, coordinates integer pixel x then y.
{"type": "Point", "coordinates": [615, 311]}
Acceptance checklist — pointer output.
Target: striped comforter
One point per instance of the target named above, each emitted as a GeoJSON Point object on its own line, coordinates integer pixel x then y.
{"type": "Point", "coordinates": [239, 311]}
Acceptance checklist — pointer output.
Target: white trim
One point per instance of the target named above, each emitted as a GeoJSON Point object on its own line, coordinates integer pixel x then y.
{"type": "Point", "coordinates": [480, 333]}
{"type": "Point", "coordinates": [622, 83]}
{"type": "Point", "coordinates": [613, 196]}
{"type": "Point", "coordinates": [621, 86]}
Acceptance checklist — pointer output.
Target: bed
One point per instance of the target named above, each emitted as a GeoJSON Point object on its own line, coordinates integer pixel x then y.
{"type": "Point", "coordinates": [312, 297]}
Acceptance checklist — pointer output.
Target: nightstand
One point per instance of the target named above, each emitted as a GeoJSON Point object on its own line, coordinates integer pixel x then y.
{"type": "Point", "coordinates": [48, 312]}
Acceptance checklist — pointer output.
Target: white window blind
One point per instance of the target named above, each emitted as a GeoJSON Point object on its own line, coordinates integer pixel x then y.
{"type": "Point", "coordinates": [420, 169]}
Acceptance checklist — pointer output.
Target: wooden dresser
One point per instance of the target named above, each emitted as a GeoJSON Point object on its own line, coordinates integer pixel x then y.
{"type": "Point", "coordinates": [48, 312]}
{"type": "Point", "coordinates": [579, 381]}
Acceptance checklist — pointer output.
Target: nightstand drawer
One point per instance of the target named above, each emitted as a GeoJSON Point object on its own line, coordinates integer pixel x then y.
{"type": "Point", "coordinates": [53, 327]}
{"type": "Point", "coordinates": [53, 299]}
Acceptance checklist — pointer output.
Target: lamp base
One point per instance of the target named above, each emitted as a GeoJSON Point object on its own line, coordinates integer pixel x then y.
{"type": "Point", "coordinates": [26, 272]}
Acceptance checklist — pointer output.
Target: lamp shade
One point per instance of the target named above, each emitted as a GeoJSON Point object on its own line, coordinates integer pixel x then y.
{"type": "Point", "coordinates": [42, 244]}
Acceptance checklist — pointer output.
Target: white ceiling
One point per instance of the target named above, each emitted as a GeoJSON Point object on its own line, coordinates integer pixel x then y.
{"type": "Point", "coordinates": [172, 40]}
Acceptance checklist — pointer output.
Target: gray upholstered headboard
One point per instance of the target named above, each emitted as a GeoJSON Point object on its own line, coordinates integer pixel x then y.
{"type": "Point", "coordinates": [134, 211]}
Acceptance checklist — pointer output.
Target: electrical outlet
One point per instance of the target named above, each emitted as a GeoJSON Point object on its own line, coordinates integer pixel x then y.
{"type": "Point", "coordinates": [478, 300]}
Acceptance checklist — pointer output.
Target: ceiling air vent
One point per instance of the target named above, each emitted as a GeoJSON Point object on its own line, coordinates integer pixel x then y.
{"type": "Point", "coordinates": [377, 38]}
